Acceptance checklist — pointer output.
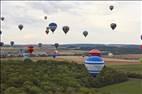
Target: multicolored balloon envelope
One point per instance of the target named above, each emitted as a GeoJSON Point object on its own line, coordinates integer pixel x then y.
{"type": "Point", "coordinates": [94, 65]}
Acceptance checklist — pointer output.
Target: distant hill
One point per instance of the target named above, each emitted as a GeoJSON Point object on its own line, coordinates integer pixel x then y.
{"type": "Point", "coordinates": [114, 48]}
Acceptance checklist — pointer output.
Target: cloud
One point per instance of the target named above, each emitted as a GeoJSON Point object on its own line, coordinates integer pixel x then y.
{"type": "Point", "coordinates": [95, 17]}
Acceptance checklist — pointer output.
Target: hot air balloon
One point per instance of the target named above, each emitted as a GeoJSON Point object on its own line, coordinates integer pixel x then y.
{"type": "Point", "coordinates": [113, 25]}
{"type": "Point", "coordinates": [65, 29]}
{"type": "Point", "coordinates": [56, 45]}
{"type": "Point", "coordinates": [30, 49]}
{"type": "Point", "coordinates": [1, 44]}
{"type": "Point", "coordinates": [95, 52]}
{"type": "Point", "coordinates": [2, 18]}
{"type": "Point", "coordinates": [85, 33]}
{"type": "Point", "coordinates": [94, 65]}
{"type": "Point", "coordinates": [141, 37]}
{"type": "Point", "coordinates": [12, 43]}
{"type": "Point", "coordinates": [0, 32]}
{"type": "Point", "coordinates": [40, 45]}
{"type": "Point", "coordinates": [111, 7]}
{"type": "Point", "coordinates": [52, 27]}
{"type": "Point", "coordinates": [20, 26]}
{"type": "Point", "coordinates": [45, 17]}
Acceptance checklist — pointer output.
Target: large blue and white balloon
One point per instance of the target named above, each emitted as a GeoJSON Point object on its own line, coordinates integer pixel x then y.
{"type": "Point", "coordinates": [94, 65]}
{"type": "Point", "coordinates": [52, 27]}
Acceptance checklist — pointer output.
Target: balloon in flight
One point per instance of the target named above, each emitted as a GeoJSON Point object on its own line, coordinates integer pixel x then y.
{"type": "Point", "coordinates": [30, 49]}
{"type": "Point", "coordinates": [2, 18]}
{"type": "Point", "coordinates": [113, 26]}
{"type": "Point", "coordinates": [111, 7]}
{"type": "Point", "coordinates": [1, 44]}
{"type": "Point", "coordinates": [40, 45]}
{"type": "Point", "coordinates": [20, 26]}
{"type": "Point", "coordinates": [56, 45]}
{"type": "Point", "coordinates": [0, 32]}
{"type": "Point", "coordinates": [52, 27]}
{"type": "Point", "coordinates": [66, 29]}
{"type": "Point", "coordinates": [45, 17]}
{"type": "Point", "coordinates": [12, 43]}
{"type": "Point", "coordinates": [85, 33]}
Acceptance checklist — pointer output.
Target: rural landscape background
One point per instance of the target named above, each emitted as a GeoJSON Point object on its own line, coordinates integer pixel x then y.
{"type": "Point", "coordinates": [36, 58]}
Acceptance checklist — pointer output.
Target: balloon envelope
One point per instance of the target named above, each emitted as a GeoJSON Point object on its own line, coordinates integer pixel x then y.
{"type": "Point", "coordinates": [20, 26]}
{"type": "Point", "coordinates": [52, 26]}
{"type": "Point", "coordinates": [45, 17]}
{"type": "Point", "coordinates": [113, 26]}
{"type": "Point", "coordinates": [0, 32]}
{"type": "Point", "coordinates": [12, 43]}
{"type": "Point", "coordinates": [1, 44]}
{"type": "Point", "coordinates": [111, 7]}
{"type": "Point", "coordinates": [85, 33]}
{"type": "Point", "coordinates": [65, 29]}
{"type": "Point", "coordinates": [94, 65]}
{"type": "Point", "coordinates": [2, 18]}
{"type": "Point", "coordinates": [56, 45]}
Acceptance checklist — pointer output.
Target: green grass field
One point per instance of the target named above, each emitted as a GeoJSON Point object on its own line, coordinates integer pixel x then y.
{"type": "Point", "coordinates": [134, 68]}
{"type": "Point", "coordinates": [133, 86]}
{"type": "Point", "coordinates": [17, 77]}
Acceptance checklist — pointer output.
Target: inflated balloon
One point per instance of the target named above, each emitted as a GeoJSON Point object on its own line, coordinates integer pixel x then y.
{"type": "Point", "coordinates": [0, 32]}
{"type": "Point", "coordinates": [2, 18]}
{"type": "Point", "coordinates": [94, 65]}
{"type": "Point", "coordinates": [30, 49]}
{"type": "Point", "coordinates": [66, 29]}
{"type": "Point", "coordinates": [20, 26]}
{"type": "Point", "coordinates": [113, 25]}
{"type": "Point", "coordinates": [141, 37]}
{"type": "Point", "coordinates": [56, 45]}
{"type": "Point", "coordinates": [111, 7]}
{"type": "Point", "coordinates": [1, 44]}
{"type": "Point", "coordinates": [52, 27]}
{"type": "Point", "coordinates": [45, 17]}
{"type": "Point", "coordinates": [47, 31]}
{"type": "Point", "coordinates": [39, 44]}
{"type": "Point", "coordinates": [12, 43]}
{"type": "Point", "coordinates": [85, 33]}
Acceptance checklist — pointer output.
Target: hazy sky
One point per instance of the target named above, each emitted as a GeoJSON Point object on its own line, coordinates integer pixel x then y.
{"type": "Point", "coordinates": [92, 16]}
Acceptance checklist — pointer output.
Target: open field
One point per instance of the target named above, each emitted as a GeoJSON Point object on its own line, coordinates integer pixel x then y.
{"type": "Point", "coordinates": [69, 75]}
{"type": "Point", "coordinates": [78, 59]}
{"type": "Point", "coordinates": [133, 86]}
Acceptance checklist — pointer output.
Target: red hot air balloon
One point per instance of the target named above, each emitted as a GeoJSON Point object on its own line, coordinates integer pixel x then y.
{"type": "Point", "coordinates": [30, 49]}
{"type": "Point", "coordinates": [95, 52]}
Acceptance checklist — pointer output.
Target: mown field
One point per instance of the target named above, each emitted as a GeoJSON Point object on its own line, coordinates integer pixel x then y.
{"type": "Point", "coordinates": [63, 77]}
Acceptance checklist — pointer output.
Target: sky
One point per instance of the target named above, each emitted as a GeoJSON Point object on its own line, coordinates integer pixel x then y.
{"type": "Point", "coordinates": [92, 16]}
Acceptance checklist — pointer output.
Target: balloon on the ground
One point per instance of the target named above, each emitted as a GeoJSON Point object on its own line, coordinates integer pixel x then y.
{"type": "Point", "coordinates": [94, 65]}
{"type": "Point", "coordinates": [113, 26]}
{"type": "Point", "coordinates": [2, 18]}
{"type": "Point", "coordinates": [52, 27]}
{"type": "Point", "coordinates": [12, 43]}
{"type": "Point", "coordinates": [111, 7]}
{"type": "Point", "coordinates": [56, 45]}
{"type": "Point", "coordinates": [66, 29]}
{"type": "Point", "coordinates": [85, 33]}
{"type": "Point", "coordinates": [20, 26]}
